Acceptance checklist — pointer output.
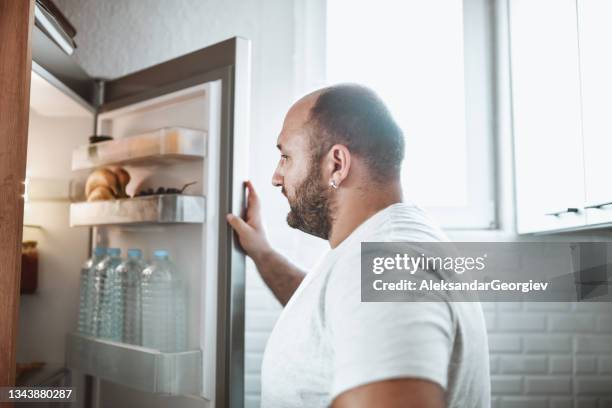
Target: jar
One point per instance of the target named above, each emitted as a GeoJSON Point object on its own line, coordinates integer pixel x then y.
{"type": "Point", "coordinates": [29, 267]}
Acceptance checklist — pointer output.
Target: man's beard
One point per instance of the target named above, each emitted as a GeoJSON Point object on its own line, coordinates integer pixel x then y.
{"type": "Point", "coordinates": [310, 210]}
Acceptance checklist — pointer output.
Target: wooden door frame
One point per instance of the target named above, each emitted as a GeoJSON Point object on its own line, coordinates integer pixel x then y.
{"type": "Point", "coordinates": [16, 22]}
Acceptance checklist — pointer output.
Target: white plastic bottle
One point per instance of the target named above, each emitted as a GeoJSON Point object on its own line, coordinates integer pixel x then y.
{"type": "Point", "coordinates": [128, 308]}
{"type": "Point", "coordinates": [163, 305]}
{"type": "Point", "coordinates": [105, 295]}
{"type": "Point", "coordinates": [84, 324]}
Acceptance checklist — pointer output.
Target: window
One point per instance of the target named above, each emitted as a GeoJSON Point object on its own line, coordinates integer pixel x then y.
{"type": "Point", "coordinates": [430, 61]}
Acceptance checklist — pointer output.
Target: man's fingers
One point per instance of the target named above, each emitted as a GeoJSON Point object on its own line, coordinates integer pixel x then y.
{"type": "Point", "coordinates": [250, 187]}
{"type": "Point", "coordinates": [237, 223]}
{"type": "Point", "coordinates": [253, 197]}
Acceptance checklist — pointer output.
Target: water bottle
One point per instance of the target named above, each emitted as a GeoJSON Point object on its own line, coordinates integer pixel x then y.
{"type": "Point", "coordinates": [128, 306]}
{"type": "Point", "coordinates": [163, 306]}
{"type": "Point", "coordinates": [84, 324]}
{"type": "Point", "coordinates": [104, 296]}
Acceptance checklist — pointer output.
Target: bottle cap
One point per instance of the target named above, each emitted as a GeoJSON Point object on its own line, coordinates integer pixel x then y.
{"type": "Point", "coordinates": [134, 253]}
{"type": "Point", "coordinates": [100, 251]}
{"type": "Point", "coordinates": [114, 251]}
{"type": "Point", "coordinates": [160, 253]}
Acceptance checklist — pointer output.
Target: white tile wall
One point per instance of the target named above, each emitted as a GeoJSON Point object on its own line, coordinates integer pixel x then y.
{"type": "Point", "coordinates": [262, 310]}
{"type": "Point", "coordinates": [551, 355]}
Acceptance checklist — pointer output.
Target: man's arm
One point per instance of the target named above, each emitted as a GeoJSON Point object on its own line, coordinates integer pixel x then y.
{"type": "Point", "coordinates": [404, 393]}
{"type": "Point", "coordinates": [281, 276]}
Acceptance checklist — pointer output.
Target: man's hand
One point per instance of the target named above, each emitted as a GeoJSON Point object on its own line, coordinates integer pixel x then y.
{"type": "Point", "coordinates": [280, 275]}
{"type": "Point", "coordinates": [251, 234]}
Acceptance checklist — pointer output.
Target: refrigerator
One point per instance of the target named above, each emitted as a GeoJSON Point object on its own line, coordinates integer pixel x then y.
{"type": "Point", "coordinates": [181, 121]}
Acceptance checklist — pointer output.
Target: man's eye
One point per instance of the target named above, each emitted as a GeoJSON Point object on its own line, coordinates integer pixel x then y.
{"type": "Point", "coordinates": [284, 157]}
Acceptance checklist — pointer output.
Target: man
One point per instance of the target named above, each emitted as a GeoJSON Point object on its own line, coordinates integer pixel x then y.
{"type": "Point", "coordinates": [341, 154]}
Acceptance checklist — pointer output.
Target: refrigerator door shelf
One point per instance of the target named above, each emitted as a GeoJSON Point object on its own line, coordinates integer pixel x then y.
{"type": "Point", "coordinates": [136, 367]}
{"type": "Point", "coordinates": [161, 146]}
{"type": "Point", "coordinates": [153, 209]}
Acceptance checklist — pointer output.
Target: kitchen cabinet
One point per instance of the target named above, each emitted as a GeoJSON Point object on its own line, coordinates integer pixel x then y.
{"type": "Point", "coordinates": [183, 120]}
{"type": "Point", "coordinates": [562, 115]}
{"type": "Point", "coordinates": [595, 31]}
{"type": "Point", "coordinates": [549, 170]}
{"type": "Point", "coordinates": [15, 22]}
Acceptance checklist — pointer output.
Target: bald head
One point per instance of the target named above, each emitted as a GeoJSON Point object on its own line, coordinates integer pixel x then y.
{"type": "Point", "coordinates": [299, 113]}
{"type": "Point", "coordinates": [334, 142]}
{"type": "Point", "coordinates": [354, 116]}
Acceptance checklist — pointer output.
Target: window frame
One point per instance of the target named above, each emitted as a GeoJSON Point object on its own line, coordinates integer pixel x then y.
{"type": "Point", "coordinates": [481, 102]}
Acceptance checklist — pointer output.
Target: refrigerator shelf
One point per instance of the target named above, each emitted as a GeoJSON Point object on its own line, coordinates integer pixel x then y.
{"type": "Point", "coordinates": [153, 209]}
{"type": "Point", "coordinates": [162, 146]}
{"type": "Point", "coordinates": [136, 367]}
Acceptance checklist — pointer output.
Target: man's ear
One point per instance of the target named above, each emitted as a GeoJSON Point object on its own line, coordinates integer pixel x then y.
{"type": "Point", "coordinates": [339, 162]}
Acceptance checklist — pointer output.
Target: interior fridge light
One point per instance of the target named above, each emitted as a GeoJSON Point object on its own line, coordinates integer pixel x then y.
{"type": "Point", "coordinates": [25, 196]}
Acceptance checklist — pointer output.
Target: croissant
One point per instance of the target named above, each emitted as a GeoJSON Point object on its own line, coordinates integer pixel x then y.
{"type": "Point", "coordinates": [105, 178]}
{"type": "Point", "coordinates": [100, 193]}
{"type": "Point", "coordinates": [124, 178]}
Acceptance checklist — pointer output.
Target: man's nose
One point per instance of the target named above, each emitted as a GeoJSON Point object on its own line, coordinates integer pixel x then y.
{"type": "Point", "coordinates": [277, 179]}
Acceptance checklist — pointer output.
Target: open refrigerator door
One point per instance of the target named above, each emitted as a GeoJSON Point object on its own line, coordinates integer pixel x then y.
{"type": "Point", "coordinates": [180, 132]}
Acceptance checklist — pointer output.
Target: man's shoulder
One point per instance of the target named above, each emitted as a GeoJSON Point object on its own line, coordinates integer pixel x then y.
{"type": "Point", "coordinates": [404, 222]}
{"type": "Point", "coordinates": [408, 222]}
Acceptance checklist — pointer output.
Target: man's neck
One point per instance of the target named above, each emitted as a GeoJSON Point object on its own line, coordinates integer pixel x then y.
{"type": "Point", "coordinates": [356, 207]}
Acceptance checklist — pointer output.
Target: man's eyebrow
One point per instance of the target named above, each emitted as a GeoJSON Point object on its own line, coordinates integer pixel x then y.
{"type": "Point", "coordinates": [279, 146]}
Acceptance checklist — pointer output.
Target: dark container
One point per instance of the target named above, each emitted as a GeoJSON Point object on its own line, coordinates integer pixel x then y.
{"type": "Point", "coordinates": [29, 267]}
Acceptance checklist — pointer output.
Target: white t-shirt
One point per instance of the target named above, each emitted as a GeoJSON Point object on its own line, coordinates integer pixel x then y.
{"type": "Point", "coordinates": [326, 341]}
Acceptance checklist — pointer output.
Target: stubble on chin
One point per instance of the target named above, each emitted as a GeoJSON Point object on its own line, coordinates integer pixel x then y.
{"type": "Point", "coordinates": [311, 207]}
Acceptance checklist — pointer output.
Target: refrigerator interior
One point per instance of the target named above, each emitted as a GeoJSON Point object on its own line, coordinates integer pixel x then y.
{"type": "Point", "coordinates": [48, 316]}
{"type": "Point", "coordinates": [57, 125]}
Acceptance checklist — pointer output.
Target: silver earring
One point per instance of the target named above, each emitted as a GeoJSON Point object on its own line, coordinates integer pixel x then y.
{"type": "Point", "coordinates": [333, 184]}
